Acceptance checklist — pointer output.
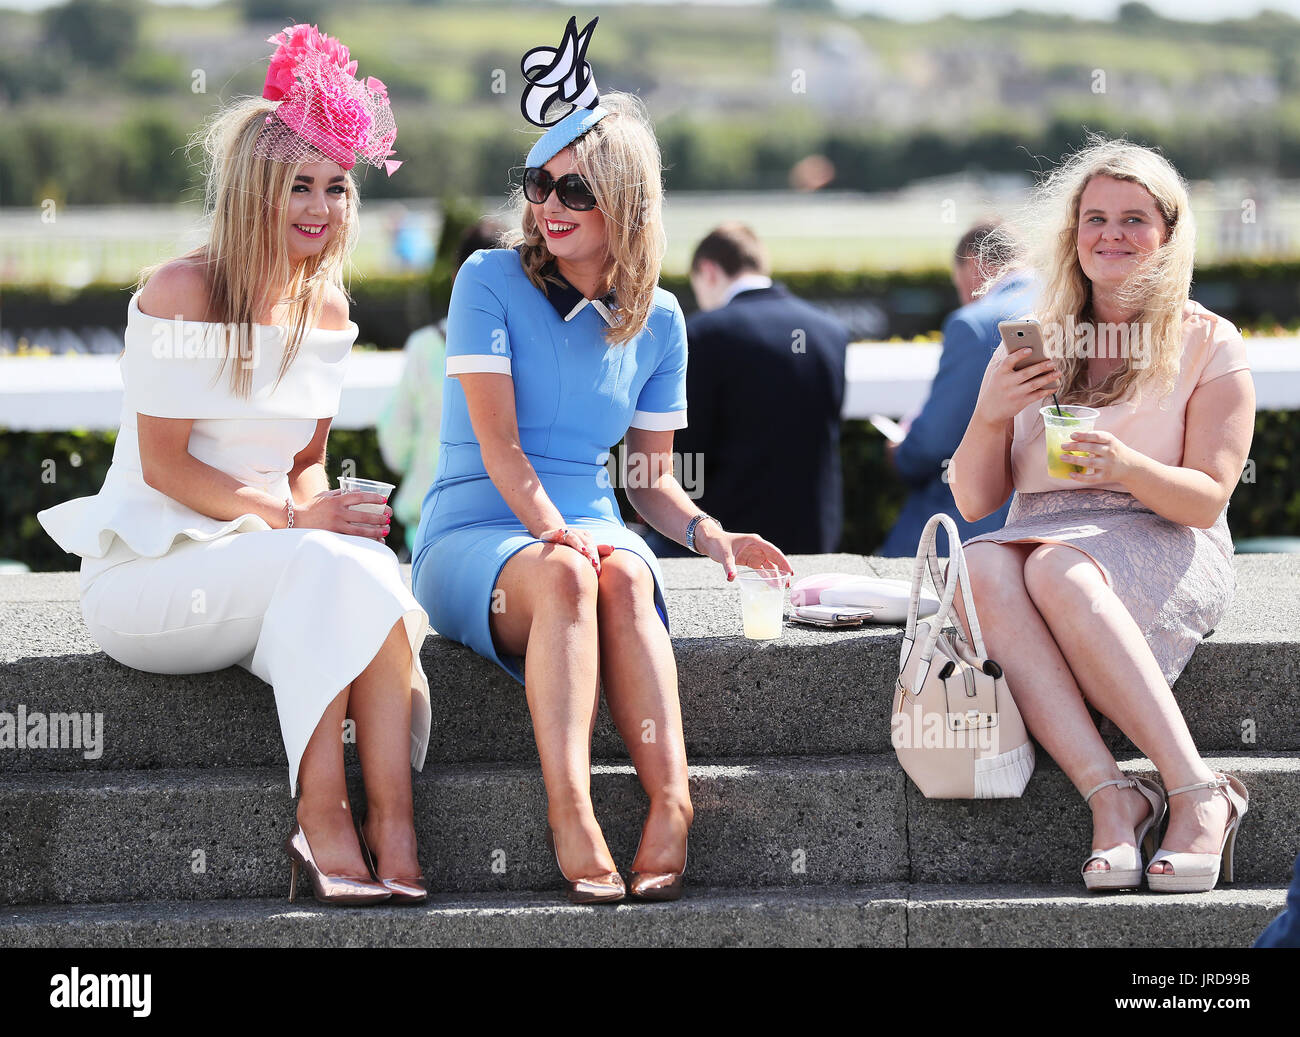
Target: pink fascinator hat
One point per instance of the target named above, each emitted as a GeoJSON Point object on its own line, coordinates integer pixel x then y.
{"type": "Point", "coordinates": [324, 109]}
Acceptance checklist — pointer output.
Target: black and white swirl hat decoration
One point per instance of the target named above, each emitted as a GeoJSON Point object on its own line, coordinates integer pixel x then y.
{"type": "Point", "coordinates": [561, 93]}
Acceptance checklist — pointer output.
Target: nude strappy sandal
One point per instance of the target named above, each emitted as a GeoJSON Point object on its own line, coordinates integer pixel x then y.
{"type": "Point", "coordinates": [1125, 860]}
{"type": "Point", "coordinates": [1199, 872]}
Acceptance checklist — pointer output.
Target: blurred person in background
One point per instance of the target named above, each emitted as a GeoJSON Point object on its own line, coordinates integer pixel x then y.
{"type": "Point", "coordinates": [766, 385]}
{"type": "Point", "coordinates": [408, 428]}
{"type": "Point", "coordinates": [970, 335]}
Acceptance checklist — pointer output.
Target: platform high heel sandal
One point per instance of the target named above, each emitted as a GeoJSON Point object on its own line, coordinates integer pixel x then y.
{"type": "Point", "coordinates": [1125, 861]}
{"type": "Point", "coordinates": [657, 885]}
{"type": "Point", "coordinates": [405, 891]}
{"type": "Point", "coordinates": [599, 889]}
{"type": "Point", "coordinates": [329, 889]}
{"type": "Point", "coordinates": [1199, 872]}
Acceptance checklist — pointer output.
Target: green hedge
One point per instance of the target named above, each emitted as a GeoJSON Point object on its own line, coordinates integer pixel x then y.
{"type": "Point", "coordinates": [387, 309]}
{"type": "Point", "coordinates": [46, 468]}
{"type": "Point", "coordinates": [42, 469]}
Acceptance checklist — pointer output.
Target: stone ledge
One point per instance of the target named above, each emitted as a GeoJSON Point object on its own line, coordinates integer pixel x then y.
{"type": "Point", "coordinates": [895, 915]}
{"type": "Point", "coordinates": [813, 691]}
{"type": "Point", "coordinates": [794, 822]}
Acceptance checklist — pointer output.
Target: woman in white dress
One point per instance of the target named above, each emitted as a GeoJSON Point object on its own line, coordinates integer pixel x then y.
{"type": "Point", "coordinates": [215, 540]}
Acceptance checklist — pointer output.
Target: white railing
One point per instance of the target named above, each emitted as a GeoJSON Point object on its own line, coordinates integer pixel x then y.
{"type": "Point", "coordinates": [54, 393]}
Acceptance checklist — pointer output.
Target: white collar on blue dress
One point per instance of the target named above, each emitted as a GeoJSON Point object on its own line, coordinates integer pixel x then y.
{"type": "Point", "coordinates": [568, 302]}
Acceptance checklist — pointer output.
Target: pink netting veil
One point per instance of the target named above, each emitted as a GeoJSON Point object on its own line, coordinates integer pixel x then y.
{"type": "Point", "coordinates": [324, 110]}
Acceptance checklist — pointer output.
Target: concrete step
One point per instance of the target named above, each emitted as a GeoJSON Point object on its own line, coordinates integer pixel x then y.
{"type": "Point", "coordinates": [894, 915]}
{"type": "Point", "coordinates": [791, 822]}
{"type": "Point", "coordinates": [813, 691]}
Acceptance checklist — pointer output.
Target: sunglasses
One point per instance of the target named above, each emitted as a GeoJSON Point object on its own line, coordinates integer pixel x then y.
{"type": "Point", "coordinates": [573, 191]}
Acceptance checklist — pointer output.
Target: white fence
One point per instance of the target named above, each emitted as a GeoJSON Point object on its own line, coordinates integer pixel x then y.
{"type": "Point", "coordinates": [53, 393]}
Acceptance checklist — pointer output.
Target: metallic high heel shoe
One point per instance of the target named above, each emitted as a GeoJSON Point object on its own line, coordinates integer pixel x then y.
{"type": "Point", "coordinates": [405, 891]}
{"type": "Point", "coordinates": [657, 885]}
{"type": "Point", "coordinates": [329, 889]}
{"type": "Point", "coordinates": [598, 889]}
{"type": "Point", "coordinates": [1199, 872]}
{"type": "Point", "coordinates": [1125, 871]}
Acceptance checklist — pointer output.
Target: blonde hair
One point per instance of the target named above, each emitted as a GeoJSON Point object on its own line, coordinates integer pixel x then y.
{"type": "Point", "coordinates": [1157, 291]}
{"type": "Point", "coordinates": [619, 157]}
{"type": "Point", "coordinates": [245, 255]}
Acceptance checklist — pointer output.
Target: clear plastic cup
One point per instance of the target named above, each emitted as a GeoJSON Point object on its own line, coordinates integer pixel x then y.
{"type": "Point", "coordinates": [351, 484]}
{"type": "Point", "coordinates": [762, 602]}
{"type": "Point", "coordinates": [1059, 429]}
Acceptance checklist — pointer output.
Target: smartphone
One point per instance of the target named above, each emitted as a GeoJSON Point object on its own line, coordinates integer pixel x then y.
{"type": "Point", "coordinates": [831, 615]}
{"type": "Point", "coordinates": [1017, 334]}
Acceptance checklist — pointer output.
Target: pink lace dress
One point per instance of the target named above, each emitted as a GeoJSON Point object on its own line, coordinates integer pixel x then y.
{"type": "Point", "coordinates": [1176, 581]}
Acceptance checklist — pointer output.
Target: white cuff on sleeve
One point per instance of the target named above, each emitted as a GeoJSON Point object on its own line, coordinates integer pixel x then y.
{"type": "Point", "coordinates": [658, 421]}
{"type": "Point", "coordinates": [476, 363]}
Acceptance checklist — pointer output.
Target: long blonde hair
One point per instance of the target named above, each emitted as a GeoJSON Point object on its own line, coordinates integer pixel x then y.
{"type": "Point", "coordinates": [245, 255]}
{"type": "Point", "coordinates": [619, 157]}
{"type": "Point", "coordinates": [1045, 238]}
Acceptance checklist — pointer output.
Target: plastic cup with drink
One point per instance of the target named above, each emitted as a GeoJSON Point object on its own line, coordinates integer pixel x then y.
{"type": "Point", "coordinates": [1061, 423]}
{"type": "Point", "coordinates": [762, 601]}
{"type": "Point", "coordinates": [351, 484]}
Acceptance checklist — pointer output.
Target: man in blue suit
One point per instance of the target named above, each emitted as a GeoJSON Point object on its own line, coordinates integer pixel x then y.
{"type": "Point", "coordinates": [764, 391]}
{"type": "Point", "coordinates": [1285, 928]}
{"type": "Point", "coordinates": [970, 335]}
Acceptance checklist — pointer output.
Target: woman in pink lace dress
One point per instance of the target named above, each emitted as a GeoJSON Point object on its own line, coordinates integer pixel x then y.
{"type": "Point", "coordinates": [1100, 586]}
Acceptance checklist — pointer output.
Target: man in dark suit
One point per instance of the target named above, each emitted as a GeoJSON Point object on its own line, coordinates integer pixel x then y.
{"type": "Point", "coordinates": [970, 335]}
{"type": "Point", "coordinates": [764, 390]}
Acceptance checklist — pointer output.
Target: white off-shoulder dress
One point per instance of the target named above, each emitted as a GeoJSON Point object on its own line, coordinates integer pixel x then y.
{"type": "Point", "coordinates": [167, 589]}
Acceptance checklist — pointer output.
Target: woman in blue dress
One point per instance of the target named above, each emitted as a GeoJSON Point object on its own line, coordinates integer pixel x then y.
{"type": "Point", "coordinates": [556, 349]}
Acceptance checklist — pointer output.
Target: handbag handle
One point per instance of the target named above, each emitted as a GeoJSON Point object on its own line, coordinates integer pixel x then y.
{"type": "Point", "coordinates": [957, 575]}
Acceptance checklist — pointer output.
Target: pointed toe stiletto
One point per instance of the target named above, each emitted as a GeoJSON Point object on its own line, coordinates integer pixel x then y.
{"type": "Point", "coordinates": [404, 891]}
{"type": "Point", "coordinates": [1125, 860]}
{"type": "Point", "coordinates": [328, 889]}
{"type": "Point", "coordinates": [656, 885]}
{"type": "Point", "coordinates": [598, 889]}
{"type": "Point", "coordinates": [1199, 872]}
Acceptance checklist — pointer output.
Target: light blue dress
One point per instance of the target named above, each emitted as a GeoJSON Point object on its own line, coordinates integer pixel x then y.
{"type": "Point", "coordinates": [575, 398]}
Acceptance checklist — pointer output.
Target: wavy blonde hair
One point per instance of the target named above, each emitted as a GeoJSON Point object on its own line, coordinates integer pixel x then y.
{"type": "Point", "coordinates": [1044, 237]}
{"type": "Point", "coordinates": [619, 157]}
{"type": "Point", "coordinates": [245, 255]}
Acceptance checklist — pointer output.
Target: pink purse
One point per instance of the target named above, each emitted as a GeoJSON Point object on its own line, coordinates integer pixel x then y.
{"type": "Point", "coordinates": [955, 726]}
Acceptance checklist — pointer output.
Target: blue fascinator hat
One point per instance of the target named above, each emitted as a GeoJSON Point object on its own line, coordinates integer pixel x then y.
{"type": "Point", "coordinates": [561, 94]}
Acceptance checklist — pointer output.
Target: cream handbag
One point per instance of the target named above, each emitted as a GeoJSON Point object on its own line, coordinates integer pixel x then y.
{"type": "Point", "coordinates": [955, 726]}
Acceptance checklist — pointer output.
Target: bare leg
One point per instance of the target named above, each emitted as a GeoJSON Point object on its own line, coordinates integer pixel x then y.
{"type": "Point", "coordinates": [380, 704]}
{"type": "Point", "coordinates": [323, 808]}
{"type": "Point", "coordinates": [1114, 666]}
{"type": "Point", "coordinates": [1045, 690]}
{"type": "Point", "coordinates": [548, 594]}
{"type": "Point", "coordinates": [639, 674]}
